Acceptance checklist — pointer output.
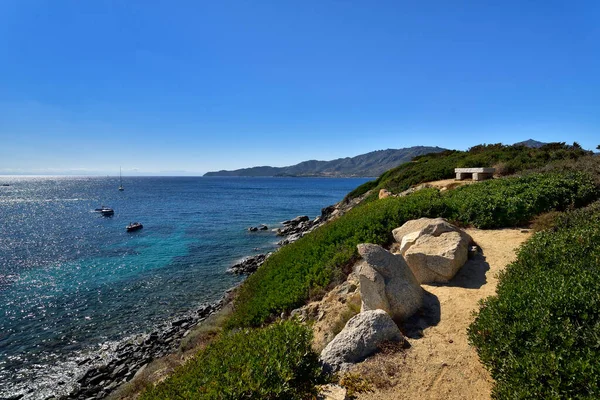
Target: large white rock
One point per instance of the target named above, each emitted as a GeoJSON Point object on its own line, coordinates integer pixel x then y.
{"type": "Point", "coordinates": [424, 226]}
{"type": "Point", "coordinates": [434, 249]}
{"type": "Point", "coordinates": [387, 283]}
{"type": "Point", "coordinates": [359, 339]}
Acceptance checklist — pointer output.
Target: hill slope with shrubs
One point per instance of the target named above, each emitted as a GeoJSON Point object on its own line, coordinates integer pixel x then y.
{"type": "Point", "coordinates": [559, 334]}
{"type": "Point", "coordinates": [307, 267]}
{"type": "Point", "coordinates": [436, 166]}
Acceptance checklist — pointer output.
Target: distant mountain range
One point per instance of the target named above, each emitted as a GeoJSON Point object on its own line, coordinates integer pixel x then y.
{"type": "Point", "coordinates": [365, 165]}
{"type": "Point", "coordinates": [531, 143]}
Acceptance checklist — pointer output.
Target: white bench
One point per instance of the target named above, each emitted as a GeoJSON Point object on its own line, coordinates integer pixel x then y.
{"type": "Point", "coordinates": [477, 174]}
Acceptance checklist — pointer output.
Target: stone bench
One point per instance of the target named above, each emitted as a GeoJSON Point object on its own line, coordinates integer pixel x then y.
{"type": "Point", "coordinates": [477, 174]}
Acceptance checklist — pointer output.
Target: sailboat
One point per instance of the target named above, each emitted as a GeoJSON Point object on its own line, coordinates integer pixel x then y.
{"type": "Point", "coordinates": [121, 188]}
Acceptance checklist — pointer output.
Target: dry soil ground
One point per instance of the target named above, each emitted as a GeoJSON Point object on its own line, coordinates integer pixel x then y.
{"type": "Point", "coordinates": [440, 364]}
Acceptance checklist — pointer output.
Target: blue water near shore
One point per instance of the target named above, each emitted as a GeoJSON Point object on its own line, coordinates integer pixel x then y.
{"type": "Point", "coordinates": [71, 279]}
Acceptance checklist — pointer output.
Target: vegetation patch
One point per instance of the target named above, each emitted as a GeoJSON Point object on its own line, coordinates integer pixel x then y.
{"type": "Point", "coordinates": [287, 279]}
{"type": "Point", "coordinates": [435, 166]}
{"type": "Point", "coordinates": [355, 385]}
{"type": "Point", "coordinates": [540, 335]}
{"type": "Point", "coordinates": [514, 201]}
{"type": "Point", "coordinates": [275, 362]}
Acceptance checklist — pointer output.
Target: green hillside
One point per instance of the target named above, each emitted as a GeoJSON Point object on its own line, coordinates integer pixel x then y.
{"type": "Point", "coordinates": [431, 167]}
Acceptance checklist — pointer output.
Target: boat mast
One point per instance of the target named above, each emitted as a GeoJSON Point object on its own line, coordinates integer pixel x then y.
{"type": "Point", "coordinates": [120, 180]}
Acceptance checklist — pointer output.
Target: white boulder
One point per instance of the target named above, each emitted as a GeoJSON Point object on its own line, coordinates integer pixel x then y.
{"type": "Point", "coordinates": [359, 339]}
{"type": "Point", "coordinates": [387, 283]}
{"type": "Point", "coordinates": [434, 249]}
{"type": "Point", "coordinates": [424, 226]}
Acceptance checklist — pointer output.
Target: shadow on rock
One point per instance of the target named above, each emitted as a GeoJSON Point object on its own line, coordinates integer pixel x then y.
{"type": "Point", "coordinates": [472, 275]}
{"type": "Point", "coordinates": [428, 315]}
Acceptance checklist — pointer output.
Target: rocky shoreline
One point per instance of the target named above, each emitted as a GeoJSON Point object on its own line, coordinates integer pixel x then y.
{"type": "Point", "coordinates": [132, 355]}
{"type": "Point", "coordinates": [291, 230]}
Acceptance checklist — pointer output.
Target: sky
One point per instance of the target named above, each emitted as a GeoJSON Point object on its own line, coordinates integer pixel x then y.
{"type": "Point", "coordinates": [186, 87]}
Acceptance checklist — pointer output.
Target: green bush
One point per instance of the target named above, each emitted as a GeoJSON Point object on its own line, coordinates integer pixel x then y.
{"type": "Point", "coordinates": [513, 202]}
{"type": "Point", "coordinates": [287, 279]}
{"type": "Point", "coordinates": [276, 362]}
{"type": "Point", "coordinates": [540, 335]}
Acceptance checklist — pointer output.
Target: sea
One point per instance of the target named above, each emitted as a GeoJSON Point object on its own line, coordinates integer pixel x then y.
{"type": "Point", "coordinates": [73, 282]}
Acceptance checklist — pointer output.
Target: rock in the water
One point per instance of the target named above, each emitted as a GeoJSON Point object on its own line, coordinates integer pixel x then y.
{"type": "Point", "coordinates": [387, 283]}
{"type": "Point", "coordinates": [433, 248]}
{"type": "Point", "coordinates": [359, 339]}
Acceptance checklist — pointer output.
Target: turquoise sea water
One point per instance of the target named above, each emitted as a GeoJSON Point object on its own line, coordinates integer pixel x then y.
{"type": "Point", "coordinates": [72, 280]}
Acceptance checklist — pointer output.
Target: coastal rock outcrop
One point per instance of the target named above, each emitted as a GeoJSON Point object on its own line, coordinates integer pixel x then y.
{"type": "Point", "coordinates": [387, 283]}
{"type": "Point", "coordinates": [359, 339]}
{"type": "Point", "coordinates": [261, 227]}
{"type": "Point", "coordinates": [434, 249]}
{"type": "Point", "coordinates": [296, 228]}
{"type": "Point", "coordinates": [293, 226]}
{"type": "Point", "coordinates": [123, 361]}
{"type": "Point", "coordinates": [248, 265]}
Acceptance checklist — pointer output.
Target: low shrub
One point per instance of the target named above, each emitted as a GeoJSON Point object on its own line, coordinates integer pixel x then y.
{"type": "Point", "coordinates": [515, 201]}
{"type": "Point", "coordinates": [540, 335]}
{"type": "Point", "coordinates": [545, 221]}
{"type": "Point", "coordinates": [355, 385]}
{"type": "Point", "coordinates": [275, 362]}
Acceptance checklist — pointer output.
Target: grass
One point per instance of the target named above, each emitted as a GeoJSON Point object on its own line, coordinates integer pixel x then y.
{"type": "Point", "coordinates": [275, 362]}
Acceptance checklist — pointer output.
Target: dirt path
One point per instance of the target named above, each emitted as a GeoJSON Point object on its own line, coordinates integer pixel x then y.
{"type": "Point", "coordinates": [440, 364]}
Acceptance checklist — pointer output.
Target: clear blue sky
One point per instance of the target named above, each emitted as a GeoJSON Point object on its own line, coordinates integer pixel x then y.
{"type": "Point", "coordinates": [172, 86]}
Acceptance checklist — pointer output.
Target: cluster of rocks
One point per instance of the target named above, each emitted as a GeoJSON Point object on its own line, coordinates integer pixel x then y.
{"type": "Point", "coordinates": [430, 250]}
{"type": "Point", "coordinates": [261, 227]}
{"type": "Point", "coordinates": [292, 229]}
{"type": "Point", "coordinates": [295, 228]}
{"type": "Point", "coordinates": [132, 356]}
{"type": "Point", "coordinates": [248, 265]}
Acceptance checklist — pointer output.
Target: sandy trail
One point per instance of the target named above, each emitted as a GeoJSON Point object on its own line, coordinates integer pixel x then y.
{"type": "Point", "coordinates": [440, 364]}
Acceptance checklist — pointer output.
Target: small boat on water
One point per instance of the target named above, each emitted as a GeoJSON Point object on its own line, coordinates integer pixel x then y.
{"type": "Point", "coordinates": [134, 227]}
{"type": "Point", "coordinates": [106, 211]}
